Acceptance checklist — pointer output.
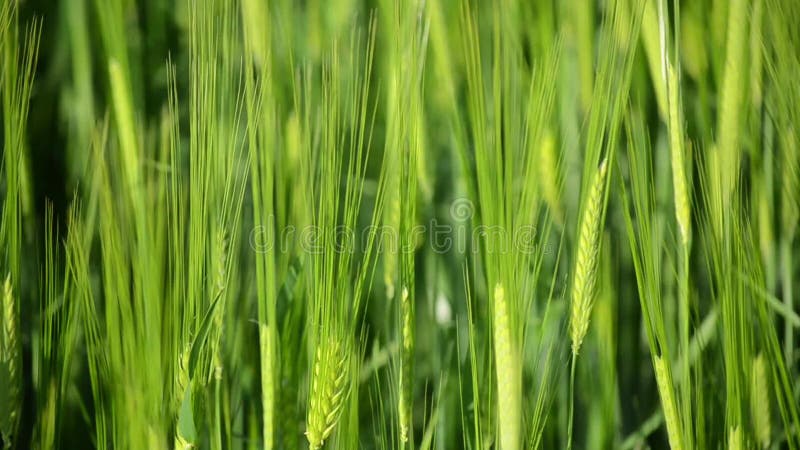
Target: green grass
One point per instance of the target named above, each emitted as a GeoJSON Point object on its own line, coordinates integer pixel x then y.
{"type": "Point", "coordinates": [438, 224]}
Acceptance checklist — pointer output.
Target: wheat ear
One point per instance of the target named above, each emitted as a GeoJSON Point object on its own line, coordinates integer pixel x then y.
{"type": "Point", "coordinates": [583, 285]}
{"type": "Point", "coordinates": [666, 391]}
{"type": "Point", "coordinates": [508, 377]}
{"type": "Point", "coordinates": [406, 366]}
{"type": "Point", "coordinates": [328, 391]}
{"type": "Point", "coordinates": [759, 401]}
{"type": "Point", "coordinates": [9, 367]}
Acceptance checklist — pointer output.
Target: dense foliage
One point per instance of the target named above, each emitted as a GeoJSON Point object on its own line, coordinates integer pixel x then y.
{"type": "Point", "coordinates": [342, 224]}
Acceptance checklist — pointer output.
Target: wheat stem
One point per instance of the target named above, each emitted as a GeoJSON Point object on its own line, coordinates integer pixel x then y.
{"type": "Point", "coordinates": [735, 439]}
{"type": "Point", "coordinates": [651, 40]}
{"type": "Point", "coordinates": [182, 381]}
{"type": "Point", "coordinates": [677, 146]}
{"type": "Point", "coordinates": [123, 109]}
{"type": "Point", "coordinates": [759, 401]}
{"type": "Point", "coordinates": [508, 374]}
{"type": "Point", "coordinates": [668, 403]}
{"type": "Point", "coordinates": [571, 415]}
{"type": "Point", "coordinates": [267, 344]}
{"type": "Point", "coordinates": [728, 126]}
{"type": "Point", "coordinates": [549, 175]}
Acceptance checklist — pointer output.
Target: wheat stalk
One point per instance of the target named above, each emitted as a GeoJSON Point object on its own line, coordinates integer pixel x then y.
{"type": "Point", "coordinates": [677, 146]}
{"type": "Point", "coordinates": [694, 58]}
{"type": "Point", "coordinates": [790, 181]}
{"type": "Point", "coordinates": [221, 262]}
{"type": "Point", "coordinates": [756, 53]}
{"type": "Point", "coordinates": [286, 402]}
{"type": "Point", "coordinates": [735, 439]}
{"type": "Point", "coordinates": [666, 390]}
{"type": "Point", "coordinates": [182, 381]}
{"type": "Point", "coordinates": [729, 121]}
{"type": "Point", "coordinates": [583, 285]}
{"type": "Point", "coordinates": [182, 374]}
{"type": "Point", "coordinates": [267, 343]}
{"type": "Point", "coordinates": [508, 377]}
{"type": "Point", "coordinates": [390, 246]}
{"type": "Point", "coordinates": [548, 175]}
{"type": "Point", "coordinates": [652, 45]}
{"type": "Point", "coordinates": [406, 369]}
{"type": "Point", "coordinates": [182, 443]}
{"type": "Point", "coordinates": [328, 392]}
{"type": "Point", "coordinates": [759, 401]}
{"type": "Point", "coordinates": [126, 126]}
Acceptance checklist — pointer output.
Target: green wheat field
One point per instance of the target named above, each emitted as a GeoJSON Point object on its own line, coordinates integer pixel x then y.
{"type": "Point", "coordinates": [400, 224]}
